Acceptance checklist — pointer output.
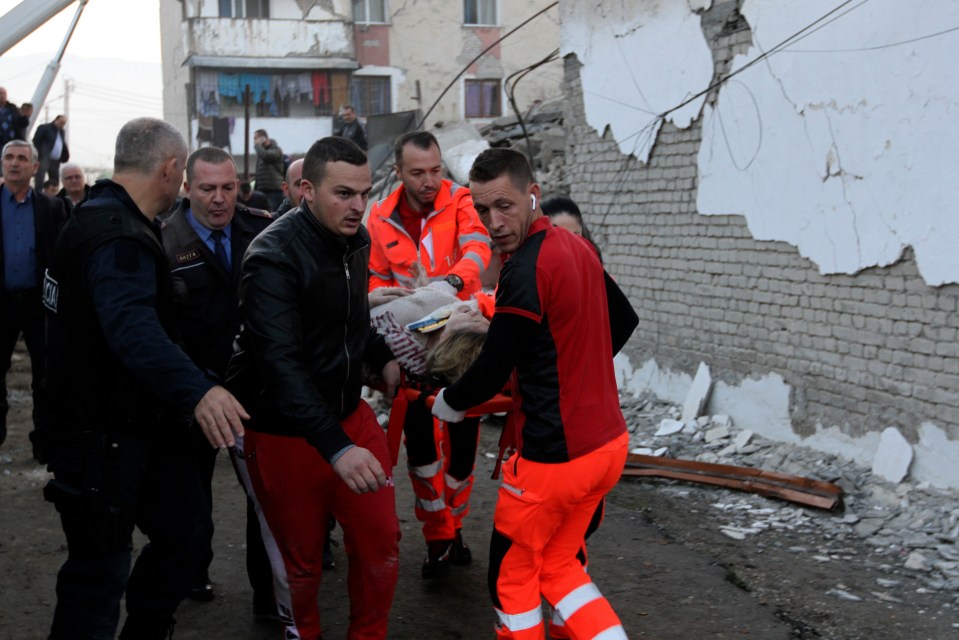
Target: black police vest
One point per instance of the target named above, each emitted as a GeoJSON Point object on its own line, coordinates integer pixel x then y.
{"type": "Point", "coordinates": [87, 387]}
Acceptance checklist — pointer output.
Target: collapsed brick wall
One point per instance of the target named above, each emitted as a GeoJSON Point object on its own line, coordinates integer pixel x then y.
{"type": "Point", "coordinates": [863, 352]}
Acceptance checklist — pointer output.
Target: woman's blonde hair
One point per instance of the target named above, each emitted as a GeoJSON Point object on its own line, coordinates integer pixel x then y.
{"type": "Point", "coordinates": [453, 355]}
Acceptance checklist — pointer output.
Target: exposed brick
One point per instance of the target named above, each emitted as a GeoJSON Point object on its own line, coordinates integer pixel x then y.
{"type": "Point", "coordinates": [875, 349]}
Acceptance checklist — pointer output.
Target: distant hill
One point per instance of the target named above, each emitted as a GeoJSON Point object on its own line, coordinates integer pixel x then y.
{"type": "Point", "coordinates": [107, 92]}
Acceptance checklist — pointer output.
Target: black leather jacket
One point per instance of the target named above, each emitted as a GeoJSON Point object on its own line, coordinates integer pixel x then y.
{"type": "Point", "coordinates": [306, 331]}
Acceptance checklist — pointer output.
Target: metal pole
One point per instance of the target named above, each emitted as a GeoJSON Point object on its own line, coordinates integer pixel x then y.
{"type": "Point", "coordinates": [67, 87]}
{"type": "Point", "coordinates": [246, 132]}
{"type": "Point", "coordinates": [50, 74]}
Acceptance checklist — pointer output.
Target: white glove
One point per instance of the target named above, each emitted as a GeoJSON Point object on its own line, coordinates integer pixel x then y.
{"type": "Point", "coordinates": [445, 412]}
{"type": "Point", "coordinates": [443, 286]}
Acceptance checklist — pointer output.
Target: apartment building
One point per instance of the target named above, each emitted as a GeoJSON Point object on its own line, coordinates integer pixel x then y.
{"type": "Point", "coordinates": [300, 60]}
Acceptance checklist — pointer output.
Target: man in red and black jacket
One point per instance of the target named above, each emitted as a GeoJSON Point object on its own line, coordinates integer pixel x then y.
{"type": "Point", "coordinates": [559, 319]}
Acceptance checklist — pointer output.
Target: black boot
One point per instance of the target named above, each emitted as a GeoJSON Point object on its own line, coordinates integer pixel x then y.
{"type": "Point", "coordinates": [437, 564]}
{"type": "Point", "coordinates": [460, 553]}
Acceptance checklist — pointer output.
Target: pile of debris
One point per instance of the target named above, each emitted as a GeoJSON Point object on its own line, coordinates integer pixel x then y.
{"type": "Point", "coordinates": [906, 527]}
{"type": "Point", "coordinates": [541, 136]}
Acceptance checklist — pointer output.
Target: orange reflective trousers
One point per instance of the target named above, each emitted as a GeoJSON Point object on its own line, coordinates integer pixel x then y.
{"type": "Point", "coordinates": [542, 514]}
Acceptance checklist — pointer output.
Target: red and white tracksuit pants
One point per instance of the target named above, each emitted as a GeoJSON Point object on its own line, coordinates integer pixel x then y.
{"type": "Point", "coordinates": [542, 514]}
{"type": "Point", "coordinates": [295, 491]}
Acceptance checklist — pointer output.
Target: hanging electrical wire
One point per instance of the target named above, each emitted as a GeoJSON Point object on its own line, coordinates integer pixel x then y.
{"type": "Point", "coordinates": [387, 184]}
{"type": "Point", "coordinates": [510, 85]}
{"type": "Point", "coordinates": [822, 21]}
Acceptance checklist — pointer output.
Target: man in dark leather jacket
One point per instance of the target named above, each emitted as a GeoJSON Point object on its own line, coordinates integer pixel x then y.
{"type": "Point", "coordinates": [313, 447]}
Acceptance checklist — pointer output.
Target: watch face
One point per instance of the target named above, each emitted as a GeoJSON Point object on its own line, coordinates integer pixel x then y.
{"type": "Point", "coordinates": [455, 281]}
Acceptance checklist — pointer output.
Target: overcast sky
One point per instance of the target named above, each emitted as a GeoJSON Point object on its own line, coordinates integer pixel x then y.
{"type": "Point", "coordinates": [121, 35]}
{"type": "Point", "coordinates": [127, 29]}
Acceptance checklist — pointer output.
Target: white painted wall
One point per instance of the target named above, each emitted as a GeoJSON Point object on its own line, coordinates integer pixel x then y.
{"type": "Point", "coordinates": [639, 59]}
{"type": "Point", "coordinates": [844, 144]}
{"type": "Point", "coordinates": [841, 145]}
{"type": "Point", "coordinates": [761, 405]}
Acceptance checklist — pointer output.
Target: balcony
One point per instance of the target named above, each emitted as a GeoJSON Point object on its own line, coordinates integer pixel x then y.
{"type": "Point", "coordinates": [264, 42]}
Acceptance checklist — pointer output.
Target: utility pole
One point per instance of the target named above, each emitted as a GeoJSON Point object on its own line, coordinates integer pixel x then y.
{"type": "Point", "coordinates": [67, 88]}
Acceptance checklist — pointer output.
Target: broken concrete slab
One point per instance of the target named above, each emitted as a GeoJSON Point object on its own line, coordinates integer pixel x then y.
{"type": "Point", "coordinates": [742, 439]}
{"type": "Point", "coordinates": [461, 143]}
{"type": "Point", "coordinates": [716, 433]}
{"type": "Point", "coordinates": [893, 456]}
{"type": "Point", "coordinates": [917, 562]}
{"type": "Point", "coordinates": [720, 420]}
{"type": "Point", "coordinates": [668, 427]}
{"type": "Point", "coordinates": [698, 394]}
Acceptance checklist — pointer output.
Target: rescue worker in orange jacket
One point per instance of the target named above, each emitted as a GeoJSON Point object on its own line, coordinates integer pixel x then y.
{"type": "Point", "coordinates": [427, 233]}
{"type": "Point", "coordinates": [427, 226]}
{"type": "Point", "coordinates": [559, 319]}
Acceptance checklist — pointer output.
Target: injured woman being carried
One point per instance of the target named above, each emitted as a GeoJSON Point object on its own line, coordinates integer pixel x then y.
{"type": "Point", "coordinates": [432, 333]}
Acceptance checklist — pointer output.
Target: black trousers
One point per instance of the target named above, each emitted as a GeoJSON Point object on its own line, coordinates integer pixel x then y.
{"type": "Point", "coordinates": [48, 170]}
{"type": "Point", "coordinates": [257, 562]}
{"type": "Point", "coordinates": [21, 313]}
{"type": "Point", "coordinates": [105, 485]}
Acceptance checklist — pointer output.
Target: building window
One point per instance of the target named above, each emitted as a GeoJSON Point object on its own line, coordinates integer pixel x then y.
{"type": "Point", "coordinates": [244, 8]}
{"type": "Point", "coordinates": [367, 11]}
{"type": "Point", "coordinates": [483, 99]}
{"type": "Point", "coordinates": [479, 12]}
{"type": "Point", "coordinates": [371, 95]}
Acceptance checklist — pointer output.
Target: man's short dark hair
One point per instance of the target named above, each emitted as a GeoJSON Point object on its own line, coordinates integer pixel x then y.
{"type": "Point", "coordinates": [246, 188]}
{"type": "Point", "coordinates": [261, 131]}
{"type": "Point", "coordinates": [492, 163]}
{"type": "Point", "coordinates": [50, 183]}
{"type": "Point", "coordinates": [210, 155]}
{"type": "Point", "coordinates": [419, 139]}
{"type": "Point", "coordinates": [145, 143]}
{"type": "Point", "coordinates": [330, 149]}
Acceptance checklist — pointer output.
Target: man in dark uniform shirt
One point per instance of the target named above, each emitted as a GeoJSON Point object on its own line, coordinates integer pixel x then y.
{"type": "Point", "coordinates": [119, 392]}
{"type": "Point", "coordinates": [30, 223]}
{"type": "Point", "coordinates": [204, 240]}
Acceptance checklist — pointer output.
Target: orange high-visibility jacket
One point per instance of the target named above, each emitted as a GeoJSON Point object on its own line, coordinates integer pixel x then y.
{"type": "Point", "coordinates": [452, 240]}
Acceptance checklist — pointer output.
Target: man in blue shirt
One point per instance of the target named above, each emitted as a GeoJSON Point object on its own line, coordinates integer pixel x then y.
{"type": "Point", "coordinates": [31, 221]}
{"type": "Point", "coordinates": [204, 240]}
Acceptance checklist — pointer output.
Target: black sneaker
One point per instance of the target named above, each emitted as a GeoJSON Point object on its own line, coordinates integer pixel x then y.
{"type": "Point", "coordinates": [202, 591]}
{"type": "Point", "coordinates": [460, 553]}
{"type": "Point", "coordinates": [437, 564]}
{"type": "Point", "coordinates": [264, 610]}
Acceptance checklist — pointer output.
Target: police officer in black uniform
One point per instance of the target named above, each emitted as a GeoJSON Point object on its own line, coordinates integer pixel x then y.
{"type": "Point", "coordinates": [204, 239]}
{"type": "Point", "coordinates": [118, 389]}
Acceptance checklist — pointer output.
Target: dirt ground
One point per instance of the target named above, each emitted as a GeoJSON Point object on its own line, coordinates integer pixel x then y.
{"type": "Point", "coordinates": [659, 557]}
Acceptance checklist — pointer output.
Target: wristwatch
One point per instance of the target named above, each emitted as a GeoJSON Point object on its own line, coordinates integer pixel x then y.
{"type": "Point", "coordinates": [455, 281]}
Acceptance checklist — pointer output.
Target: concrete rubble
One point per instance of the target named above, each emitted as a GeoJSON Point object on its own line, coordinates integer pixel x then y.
{"type": "Point", "coordinates": [908, 529]}
{"type": "Point", "coordinates": [546, 147]}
